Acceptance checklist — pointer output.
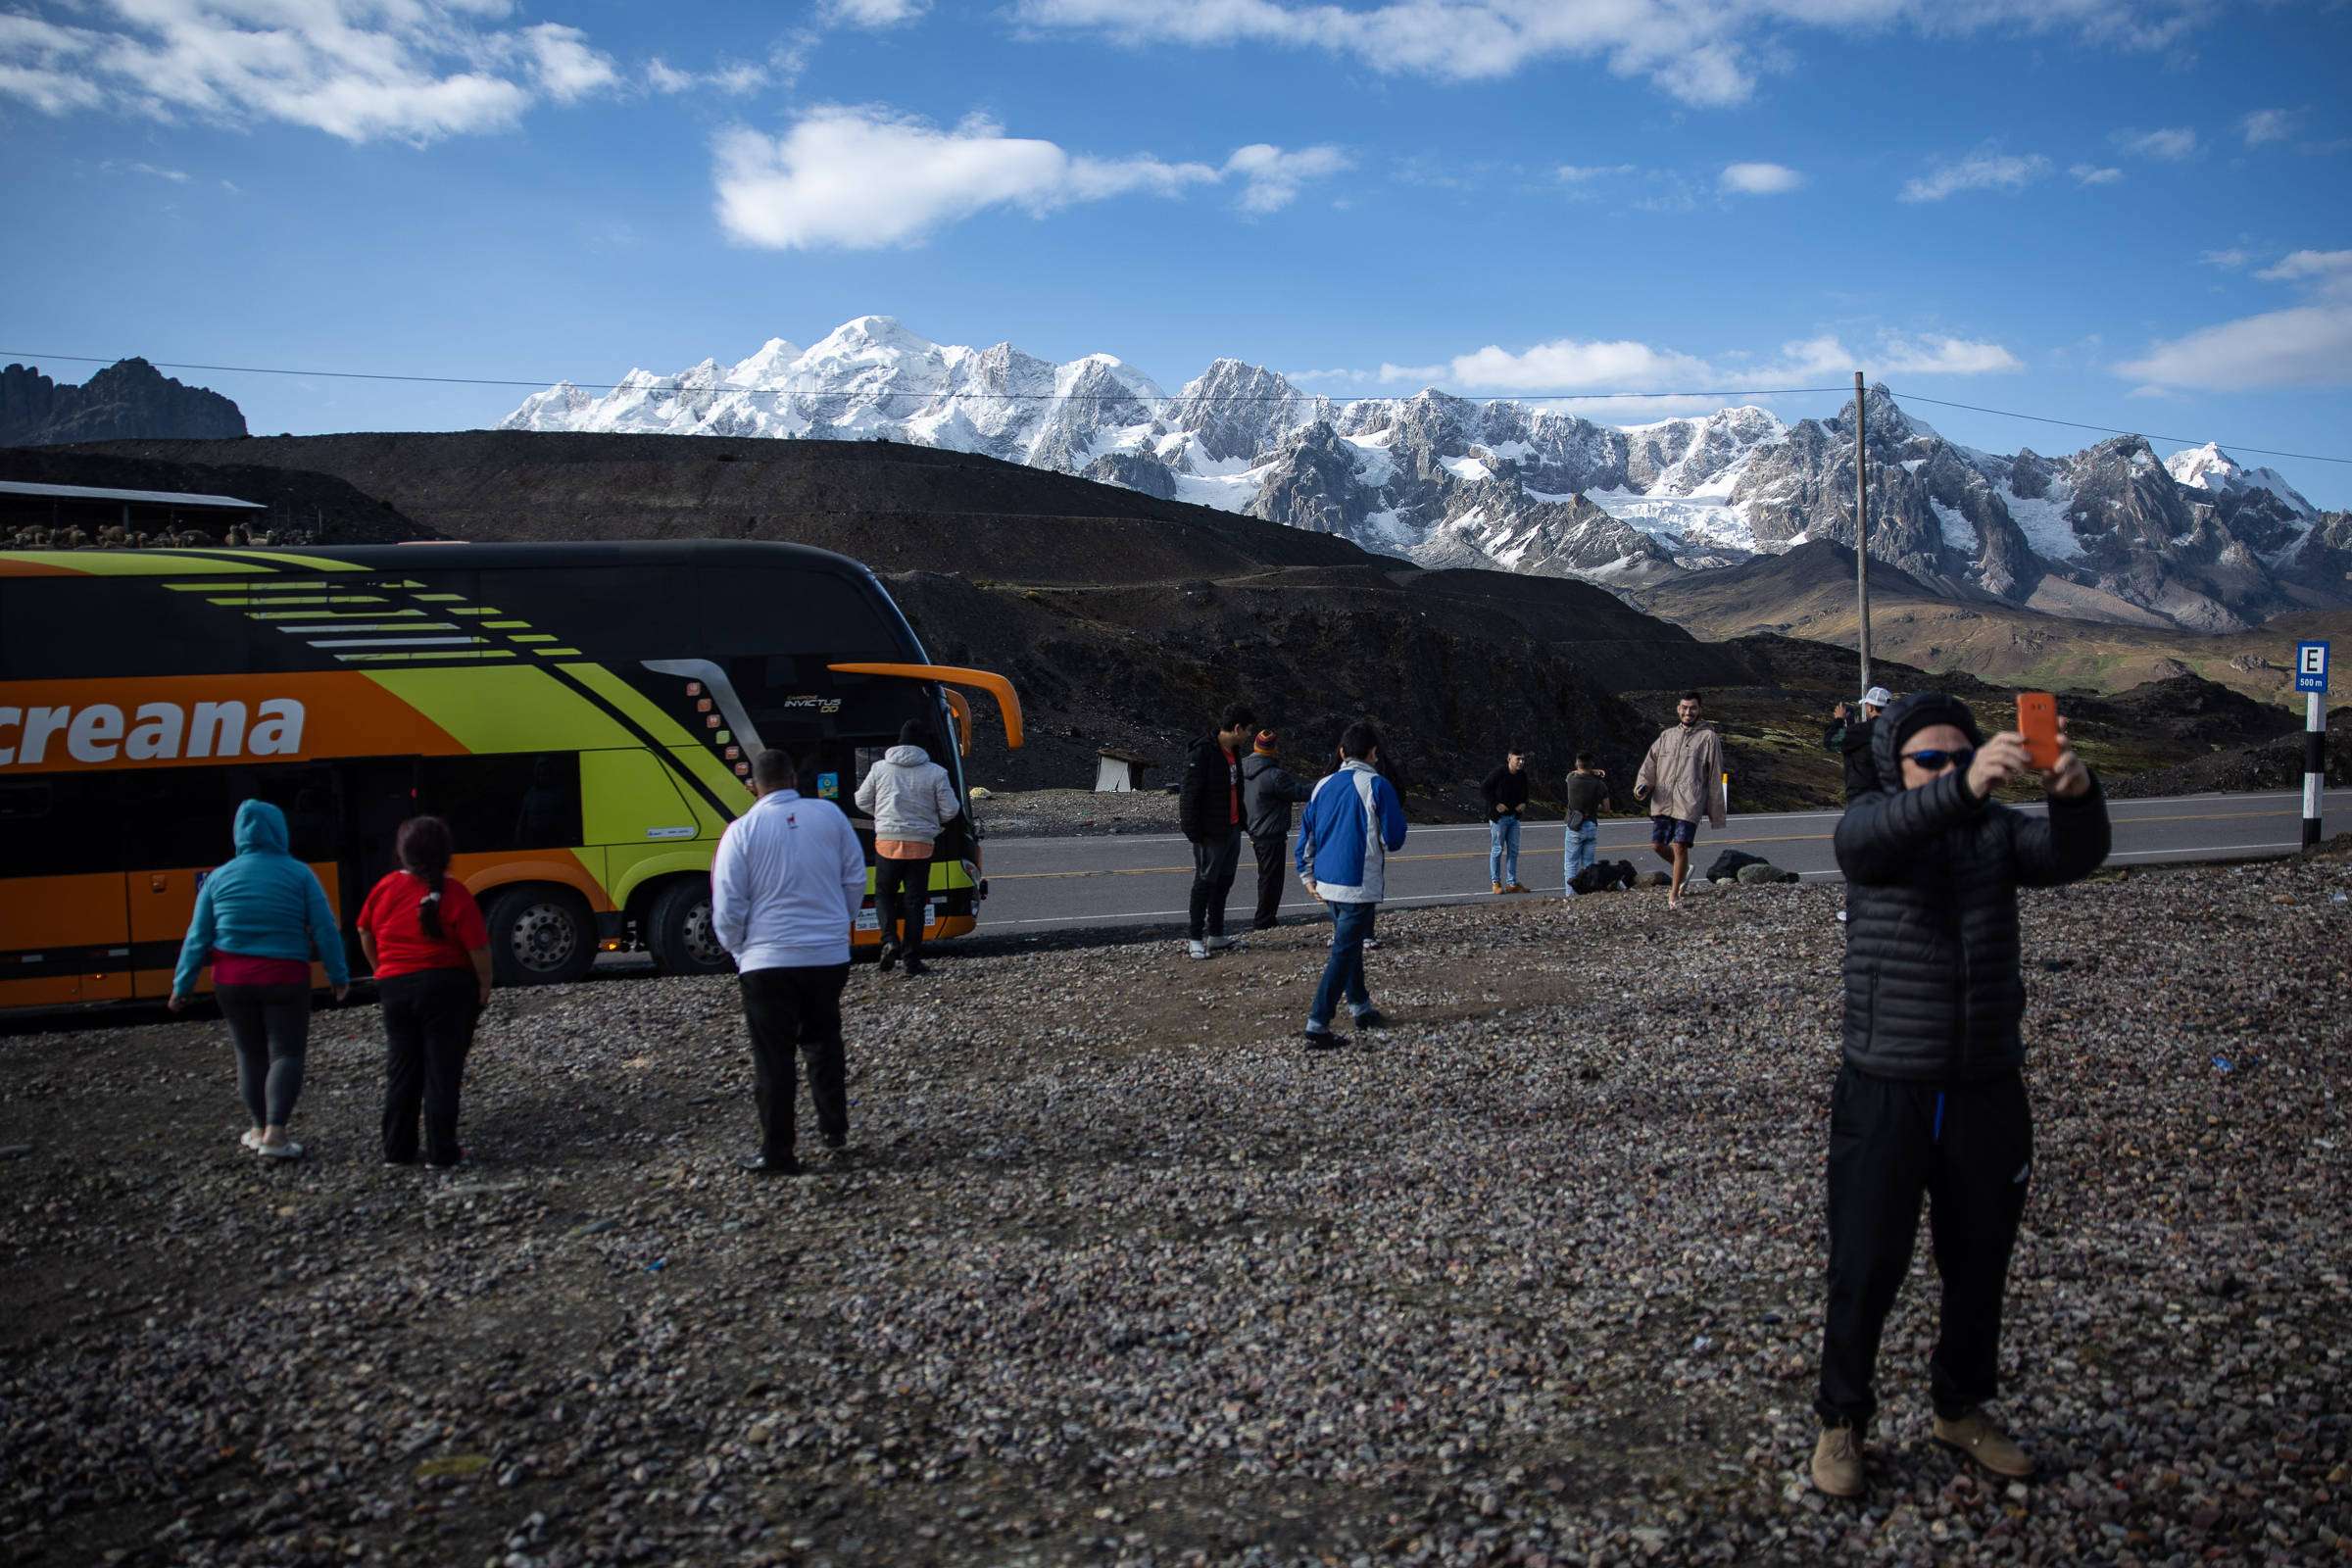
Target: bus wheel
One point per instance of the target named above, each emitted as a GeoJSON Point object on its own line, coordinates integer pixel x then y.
{"type": "Point", "coordinates": [678, 930]}
{"type": "Point", "coordinates": [539, 935]}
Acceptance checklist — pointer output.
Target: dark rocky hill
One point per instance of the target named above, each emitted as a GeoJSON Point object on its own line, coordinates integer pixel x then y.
{"type": "Point", "coordinates": [128, 401]}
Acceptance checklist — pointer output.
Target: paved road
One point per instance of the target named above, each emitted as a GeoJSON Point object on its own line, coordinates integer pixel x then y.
{"type": "Point", "coordinates": [1037, 884]}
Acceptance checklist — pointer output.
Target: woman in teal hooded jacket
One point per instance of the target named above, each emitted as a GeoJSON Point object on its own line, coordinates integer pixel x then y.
{"type": "Point", "coordinates": [258, 921]}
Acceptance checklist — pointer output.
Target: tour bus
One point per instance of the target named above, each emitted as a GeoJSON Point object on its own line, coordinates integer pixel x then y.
{"type": "Point", "coordinates": [583, 716]}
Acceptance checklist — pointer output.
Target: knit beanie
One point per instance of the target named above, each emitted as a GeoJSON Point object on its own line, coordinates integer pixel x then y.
{"type": "Point", "coordinates": [1264, 745]}
{"type": "Point", "coordinates": [1920, 710]}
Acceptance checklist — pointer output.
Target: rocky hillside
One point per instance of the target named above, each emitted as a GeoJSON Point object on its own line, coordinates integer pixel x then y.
{"type": "Point", "coordinates": [1808, 592]}
{"type": "Point", "coordinates": [2110, 533]}
{"type": "Point", "coordinates": [128, 401]}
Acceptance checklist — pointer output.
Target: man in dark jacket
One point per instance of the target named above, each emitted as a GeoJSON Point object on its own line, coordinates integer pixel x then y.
{"type": "Point", "coordinates": [1506, 792]}
{"type": "Point", "coordinates": [1929, 1098]}
{"type": "Point", "coordinates": [1209, 812]}
{"type": "Point", "coordinates": [1267, 795]}
{"type": "Point", "coordinates": [1850, 738]}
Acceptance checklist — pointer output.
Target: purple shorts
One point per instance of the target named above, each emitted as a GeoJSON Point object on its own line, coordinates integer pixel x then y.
{"type": "Point", "coordinates": [1665, 830]}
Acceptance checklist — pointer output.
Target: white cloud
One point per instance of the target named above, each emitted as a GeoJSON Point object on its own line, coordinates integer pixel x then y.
{"type": "Point", "coordinates": [355, 69]}
{"type": "Point", "coordinates": [2173, 144]}
{"type": "Point", "coordinates": [2265, 124]}
{"type": "Point", "coordinates": [860, 178]}
{"type": "Point", "coordinates": [175, 176]}
{"type": "Point", "coordinates": [1985, 170]}
{"type": "Point", "coordinates": [2227, 261]}
{"type": "Point", "coordinates": [2304, 345]}
{"type": "Point", "coordinates": [1271, 178]}
{"type": "Point", "coordinates": [2093, 175]}
{"type": "Point", "coordinates": [1704, 52]}
{"type": "Point", "coordinates": [734, 79]}
{"type": "Point", "coordinates": [1568, 365]}
{"type": "Point", "coordinates": [870, 13]}
{"type": "Point", "coordinates": [1585, 173]}
{"type": "Point", "coordinates": [1759, 180]}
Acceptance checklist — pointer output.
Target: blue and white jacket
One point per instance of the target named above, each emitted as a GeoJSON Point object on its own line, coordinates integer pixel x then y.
{"type": "Point", "coordinates": [1345, 835]}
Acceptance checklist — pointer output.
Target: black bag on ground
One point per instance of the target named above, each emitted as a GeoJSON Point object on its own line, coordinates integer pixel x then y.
{"type": "Point", "coordinates": [1603, 876]}
{"type": "Point", "coordinates": [1728, 862]}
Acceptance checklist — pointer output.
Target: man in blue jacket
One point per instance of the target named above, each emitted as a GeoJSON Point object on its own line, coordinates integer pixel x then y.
{"type": "Point", "coordinates": [1352, 823]}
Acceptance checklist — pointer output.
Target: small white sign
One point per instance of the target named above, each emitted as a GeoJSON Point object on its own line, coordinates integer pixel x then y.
{"type": "Point", "coordinates": [669, 832]}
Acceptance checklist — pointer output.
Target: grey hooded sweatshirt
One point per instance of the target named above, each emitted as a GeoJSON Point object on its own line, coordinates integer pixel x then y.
{"type": "Point", "coordinates": [908, 796]}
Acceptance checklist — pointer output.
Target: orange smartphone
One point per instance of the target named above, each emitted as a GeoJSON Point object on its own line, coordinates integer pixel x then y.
{"type": "Point", "coordinates": [2037, 722]}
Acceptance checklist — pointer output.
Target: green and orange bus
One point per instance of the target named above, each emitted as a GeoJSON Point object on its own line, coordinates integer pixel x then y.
{"type": "Point", "coordinates": [582, 715]}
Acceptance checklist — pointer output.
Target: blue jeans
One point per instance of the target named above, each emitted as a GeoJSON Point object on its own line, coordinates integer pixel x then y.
{"type": "Point", "coordinates": [1502, 849]}
{"type": "Point", "coordinates": [1583, 843]}
{"type": "Point", "coordinates": [1344, 970]}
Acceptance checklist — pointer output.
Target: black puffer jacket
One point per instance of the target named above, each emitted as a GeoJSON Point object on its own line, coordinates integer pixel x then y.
{"type": "Point", "coordinates": [1934, 986]}
{"type": "Point", "coordinates": [1206, 802]}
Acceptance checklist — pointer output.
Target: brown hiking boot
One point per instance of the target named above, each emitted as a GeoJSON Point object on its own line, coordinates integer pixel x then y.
{"type": "Point", "coordinates": [1975, 1435]}
{"type": "Point", "coordinates": [1518, 887]}
{"type": "Point", "coordinates": [1499, 887]}
{"type": "Point", "coordinates": [1838, 1462]}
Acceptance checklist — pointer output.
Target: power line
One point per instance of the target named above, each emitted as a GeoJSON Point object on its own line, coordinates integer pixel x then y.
{"type": "Point", "coordinates": [2109, 430]}
{"type": "Point", "coordinates": [1277, 397]}
{"type": "Point", "coordinates": [783, 392]}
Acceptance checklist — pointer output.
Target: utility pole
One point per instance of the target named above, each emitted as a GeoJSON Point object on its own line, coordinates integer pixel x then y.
{"type": "Point", "coordinates": [1861, 532]}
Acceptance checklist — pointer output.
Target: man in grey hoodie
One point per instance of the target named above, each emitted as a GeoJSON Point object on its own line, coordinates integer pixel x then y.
{"type": "Point", "coordinates": [1267, 795]}
{"type": "Point", "coordinates": [910, 798]}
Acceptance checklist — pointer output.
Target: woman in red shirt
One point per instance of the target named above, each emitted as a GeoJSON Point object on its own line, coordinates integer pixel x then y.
{"type": "Point", "coordinates": [423, 936]}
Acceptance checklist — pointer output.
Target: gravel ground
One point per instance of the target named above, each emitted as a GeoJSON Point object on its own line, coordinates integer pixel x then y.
{"type": "Point", "coordinates": [1063, 813]}
{"type": "Point", "coordinates": [1114, 1272]}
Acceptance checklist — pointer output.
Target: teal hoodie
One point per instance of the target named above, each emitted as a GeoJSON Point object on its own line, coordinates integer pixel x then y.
{"type": "Point", "coordinates": [262, 904]}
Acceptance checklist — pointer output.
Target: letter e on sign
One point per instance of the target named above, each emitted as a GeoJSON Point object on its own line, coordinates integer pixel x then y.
{"type": "Point", "coordinates": [2311, 666]}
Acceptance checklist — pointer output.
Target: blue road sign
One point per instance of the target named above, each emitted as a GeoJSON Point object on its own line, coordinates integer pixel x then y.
{"type": "Point", "coordinates": [2311, 666]}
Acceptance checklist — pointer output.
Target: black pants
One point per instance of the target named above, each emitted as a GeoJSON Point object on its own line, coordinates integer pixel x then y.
{"type": "Point", "coordinates": [1270, 851]}
{"type": "Point", "coordinates": [789, 1008]}
{"type": "Point", "coordinates": [1214, 862]}
{"type": "Point", "coordinates": [272, 1028]}
{"type": "Point", "coordinates": [902, 886]}
{"type": "Point", "coordinates": [428, 1027]}
{"type": "Point", "coordinates": [1968, 1150]}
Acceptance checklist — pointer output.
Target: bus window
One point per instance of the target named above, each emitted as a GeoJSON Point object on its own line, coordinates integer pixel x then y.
{"type": "Point", "coordinates": [511, 801]}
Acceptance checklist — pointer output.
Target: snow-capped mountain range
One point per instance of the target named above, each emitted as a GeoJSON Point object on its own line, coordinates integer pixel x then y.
{"type": "Point", "coordinates": [2111, 532]}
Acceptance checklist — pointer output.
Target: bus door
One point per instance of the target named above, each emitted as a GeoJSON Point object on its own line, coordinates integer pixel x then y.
{"type": "Point", "coordinates": [65, 933]}
{"type": "Point", "coordinates": [376, 794]}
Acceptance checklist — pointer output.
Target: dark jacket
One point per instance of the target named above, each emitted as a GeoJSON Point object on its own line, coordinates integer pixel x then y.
{"type": "Point", "coordinates": [1588, 793]}
{"type": "Point", "coordinates": [1934, 990]}
{"type": "Point", "coordinates": [1852, 736]}
{"type": "Point", "coordinates": [1267, 793]}
{"type": "Point", "coordinates": [1205, 801]}
{"type": "Point", "coordinates": [1506, 792]}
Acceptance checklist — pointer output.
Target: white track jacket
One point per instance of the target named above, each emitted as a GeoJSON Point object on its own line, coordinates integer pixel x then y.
{"type": "Point", "coordinates": [787, 883]}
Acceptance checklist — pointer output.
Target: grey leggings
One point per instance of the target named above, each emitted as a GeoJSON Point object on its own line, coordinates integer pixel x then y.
{"type": "Point", "coordinates": [272, 1027]}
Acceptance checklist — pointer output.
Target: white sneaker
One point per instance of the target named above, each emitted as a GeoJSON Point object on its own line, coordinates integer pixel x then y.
{"type": "Point", "coordinates": [1841, 918]}
{"type": "Point", "coordinates": [1196, 950]}
{"type": "Point", "coordinates": [1221, 944]}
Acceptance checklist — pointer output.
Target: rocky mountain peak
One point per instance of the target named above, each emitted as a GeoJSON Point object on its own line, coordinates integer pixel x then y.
{"type": "Point", "coordinates": [128, 401]}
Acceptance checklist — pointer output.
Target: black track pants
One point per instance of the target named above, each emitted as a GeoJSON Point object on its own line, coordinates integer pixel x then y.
{"type": "Point", "coordinates": [271, 1027]}
{"type": "Point", "coordinates": [1214, 862]}
{"type": "Point", "coordinates": [428, 1028]}
{"type": "Point", "coordinates": [901, 892]}
{"type": "Point", "coordinates": [1967, 1151]}
{"type": "Point", "coordinates": [788, 1010]}
{"type": "Point", "coordinates": [1271, 852]}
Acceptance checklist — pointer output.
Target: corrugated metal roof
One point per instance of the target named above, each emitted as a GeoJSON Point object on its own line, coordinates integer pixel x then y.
{"type": "Point", "coordinates": [150, 498]}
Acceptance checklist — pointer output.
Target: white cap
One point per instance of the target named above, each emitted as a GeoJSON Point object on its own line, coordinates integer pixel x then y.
{"type": "Point", "coordinates": [1879, 697]}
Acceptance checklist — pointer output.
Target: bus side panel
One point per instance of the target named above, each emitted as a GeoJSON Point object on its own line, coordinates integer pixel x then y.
{"type": "Point", "coordinates": [64, 939]}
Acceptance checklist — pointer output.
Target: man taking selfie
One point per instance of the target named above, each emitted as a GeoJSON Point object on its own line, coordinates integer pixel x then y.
{"type": "Point", "coordinates": [1929, 1100]}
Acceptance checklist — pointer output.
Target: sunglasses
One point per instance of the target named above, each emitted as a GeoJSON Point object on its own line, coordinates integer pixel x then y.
{"type": "Point", "coordinates": [1928, 760]}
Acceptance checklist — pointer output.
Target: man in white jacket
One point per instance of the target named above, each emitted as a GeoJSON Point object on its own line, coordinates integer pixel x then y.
{"type": "Point", "coordinates": [910, 798]}
{"type": "Point", "coordinates": [785, 888]}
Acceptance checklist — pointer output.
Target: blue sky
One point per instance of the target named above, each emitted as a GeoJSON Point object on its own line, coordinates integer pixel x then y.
{"type": "Point", "coordinates": [2127, 213]}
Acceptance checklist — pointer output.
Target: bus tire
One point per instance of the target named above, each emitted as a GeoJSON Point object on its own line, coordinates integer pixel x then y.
{"type": "Point", "coordinates": [540, 935]}
{"type": "Point", "coordinates": [678, 930]}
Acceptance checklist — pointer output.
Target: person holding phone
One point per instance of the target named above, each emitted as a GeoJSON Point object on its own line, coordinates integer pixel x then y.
{"type": "Point", "coordinates": [1929, 1098]}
